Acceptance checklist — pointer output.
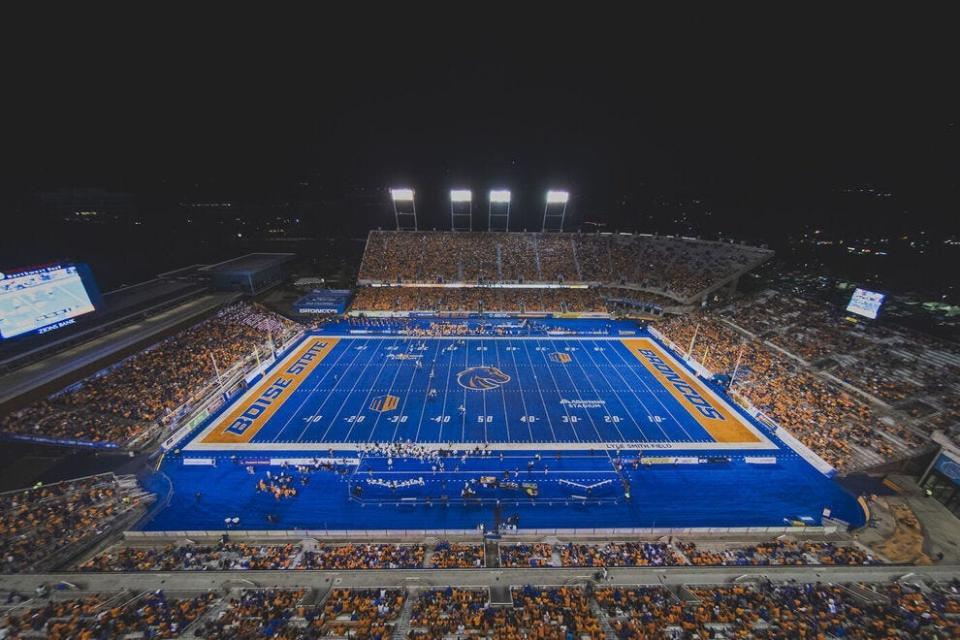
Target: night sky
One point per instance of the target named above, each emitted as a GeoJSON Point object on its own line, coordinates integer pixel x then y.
{"type": "Point", "coordinates": [754, 130]}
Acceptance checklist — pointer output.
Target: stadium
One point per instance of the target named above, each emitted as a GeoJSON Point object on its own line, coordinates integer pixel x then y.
{"type": "Point", "coordinates": [562, 410]}
{"type": "Point", "coordinates": [463, 327]}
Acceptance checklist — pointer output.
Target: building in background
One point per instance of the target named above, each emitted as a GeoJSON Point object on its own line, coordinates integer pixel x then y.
{"type": "Point", "coordinates": [250, 274]}
{"type": "Point", "coordinates": [942, 478]}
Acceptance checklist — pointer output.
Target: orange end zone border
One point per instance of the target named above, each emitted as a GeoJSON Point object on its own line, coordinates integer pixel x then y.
{"type": "Point", "coordinates": [704, 406]}
{"type": "Point", "coordinates": [255, 409]}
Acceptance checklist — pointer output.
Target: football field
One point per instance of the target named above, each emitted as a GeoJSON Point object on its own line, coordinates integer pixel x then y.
{"type": "Point", "coordinates": [337, 392]}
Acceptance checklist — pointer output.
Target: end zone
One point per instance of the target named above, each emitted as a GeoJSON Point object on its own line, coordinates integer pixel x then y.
{"type": "Point", "coordinates": [252, 411]}
{"type": "Point", "coordinates": [713, 414]}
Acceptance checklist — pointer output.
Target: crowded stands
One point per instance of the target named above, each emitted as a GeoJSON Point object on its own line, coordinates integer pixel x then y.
{"type": "Point", "coordinates": [623, 554]}
{"type": "Point", "coordinates": [777, 552]}
{"type": "Point", "coordinates": [526, 555]}
{"type": "Point", "coordinates": [479, 300]}
{"type": "Point", "coordinates": [283, 614]}
{"type": "Point", "coordinates": [254, 614]}
{"type": "Point", "coordinates": [547, 613]}
{"type": "Point", "coordinates": [891, 364]}
{"type": "Point", "coordinates": [781, 611]}
{"type": "Point", "coordinates": [225, 556]}
{"type": "Point", "coordinates": [239, 556]}
{"type": "Point", "coordinates": [762, 609]}
{"type": "Point", "coordinates": [126, 403]}
{"type": "Point", "coordinates": [675, 553]}
{"type": "Point", "coordinates": [451, 555]}
{"type": "Point", "coordinates": [837, 426]}
{"type": "Point", "coordinates": [441, 613]}
{"type": "Point", "coordinates": [44, 524]}
{"type": "Point", "coordinates": [365, 556]}
{"type": "Point", "coordinates": [95, 617]}
{"type": "Point", "coordinates": [679, 268]}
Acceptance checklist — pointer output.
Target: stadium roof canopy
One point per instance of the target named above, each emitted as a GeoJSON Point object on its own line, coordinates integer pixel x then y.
{"type": "Point", "coordinates": [250, 264]}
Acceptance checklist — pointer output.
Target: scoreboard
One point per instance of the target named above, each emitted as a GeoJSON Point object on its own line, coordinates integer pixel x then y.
{"type": "Point", "coordinates": [865, 303]}
{"type": "Point", "coordinates": [42, 299]}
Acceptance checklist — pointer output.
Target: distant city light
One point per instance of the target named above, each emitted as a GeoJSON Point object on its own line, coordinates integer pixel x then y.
{"type": "Point", "coordinates": [461, 195]}
{"type": "Point", "coordinates": [500, 195]}
{"type": "Point", "coordinates": [401, 195]}
{"type": "Point", "coordinates": [557, 197]}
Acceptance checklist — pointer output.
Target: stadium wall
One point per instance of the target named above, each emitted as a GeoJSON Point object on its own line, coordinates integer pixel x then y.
{"type": "Point", "coordinates": [393, 534]}
{"type": "Point", "coordinates": [462, 315]}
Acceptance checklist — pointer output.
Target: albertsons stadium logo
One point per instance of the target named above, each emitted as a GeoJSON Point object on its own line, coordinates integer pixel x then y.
{"type": "Point", "coordinates": [482, 378]}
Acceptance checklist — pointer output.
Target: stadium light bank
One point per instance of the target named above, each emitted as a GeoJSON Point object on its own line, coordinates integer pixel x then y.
{"type": "Point", "coordinates": [401, 195]}
{"type": "Point", "coordinates": [461, 217]}
{"type": "Point", "coordinates": [555, 210]}
{"type": "Point", "coordinates": [404, 214]}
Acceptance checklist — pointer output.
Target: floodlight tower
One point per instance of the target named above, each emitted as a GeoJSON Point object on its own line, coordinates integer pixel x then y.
{"type": "Point", "coordinates": [498, 218]}
{"type": "Point", "coordinates": [404, 209]}
{"type": "Point", "coordinates": [461, 210]}
{"type": "Point", "coordinates": [555, 211]}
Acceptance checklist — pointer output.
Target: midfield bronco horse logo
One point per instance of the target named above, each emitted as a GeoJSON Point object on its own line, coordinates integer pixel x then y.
{"type": "Point", "coordinates": [482, 378]}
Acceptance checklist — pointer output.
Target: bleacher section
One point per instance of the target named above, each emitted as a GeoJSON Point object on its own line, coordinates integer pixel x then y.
{"type": "Point", "coordinates": [839, 407]}
{"type": "Point", "coordinates": [698, 610]}
{"type": "Point", "coordinates": [47, 525]}
{"type": "Point", "coordinates": [130, 402]}
{"type": "Point", "coordinates": [682, 270]}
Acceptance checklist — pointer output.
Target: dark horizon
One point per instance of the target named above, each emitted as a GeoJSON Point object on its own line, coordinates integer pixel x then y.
{"type": "Point", "coordinates": [765, 130]}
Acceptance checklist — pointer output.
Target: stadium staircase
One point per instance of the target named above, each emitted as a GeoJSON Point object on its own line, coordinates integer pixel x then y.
{"type": "Point", "coordinates": [555, 559]}
{"type": "Point", "coordinates": [536, 259]}
{"type": "Point", "coordinates": [402, 627]}
{"type": "Point", "coordinates": [120, 600]}
{"type": "Point", "coordinates": [192, 630]}
{"type": "Point", "coordinates": [491, 554]}
{"type": "Point", "coordinates": [576, 260]}
{"type": "Point", "coordinates": [865, 595]}
{"type": "Point", "coordinates": [608, 631]}
{"type": "Point", "coordinates": [687, 598]}
{"type": "Point", "coordinates": [500, 596]}
{"type": "Point", "coordinates": [863, 458]}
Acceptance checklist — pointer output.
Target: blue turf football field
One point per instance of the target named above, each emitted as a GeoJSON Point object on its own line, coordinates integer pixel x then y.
{"type": "Point", "coordinates": [554, 390]}
{"type": "Point", "coordinates": [577, 400]}
{"type": "Point", "coordinates": [595, 395]}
